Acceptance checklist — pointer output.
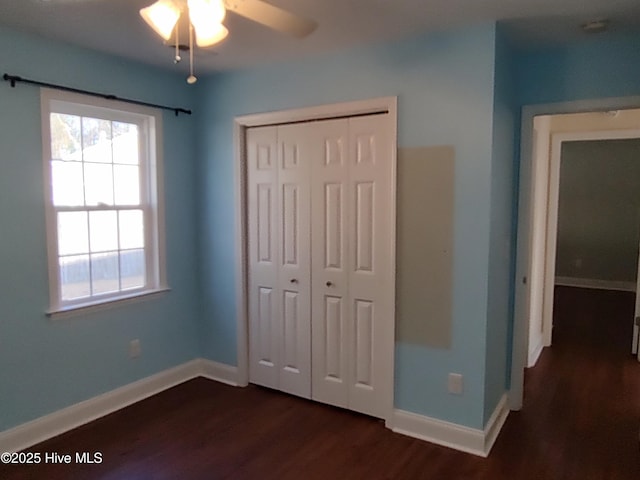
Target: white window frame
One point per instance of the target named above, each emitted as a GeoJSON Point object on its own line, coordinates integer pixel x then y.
{"type": "Point", "coordinates": [149, 121]}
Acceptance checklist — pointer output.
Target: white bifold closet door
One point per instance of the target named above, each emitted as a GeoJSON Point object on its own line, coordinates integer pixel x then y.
{"type": "Point", "coordinates": [279, 259]}
{"type": "Point", "coordinates": [320, 238]}
{"type": "Point", "coordinates": [352, 266]}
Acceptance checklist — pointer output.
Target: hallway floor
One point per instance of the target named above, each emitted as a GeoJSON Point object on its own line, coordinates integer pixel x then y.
{"type": "Point", "coordinates": [581, 415]}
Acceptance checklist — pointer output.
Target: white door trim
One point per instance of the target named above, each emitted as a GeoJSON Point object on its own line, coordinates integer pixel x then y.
{"type": "Point", "coordinates": [552, 213]}
{"type": "Point", "coordinates": [241, 123]}
{"type": "Point", "coordinates": [524, 233]}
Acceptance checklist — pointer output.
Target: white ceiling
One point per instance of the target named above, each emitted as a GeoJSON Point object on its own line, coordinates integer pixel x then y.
{"type": "Point", "coordinates": [114, 26]}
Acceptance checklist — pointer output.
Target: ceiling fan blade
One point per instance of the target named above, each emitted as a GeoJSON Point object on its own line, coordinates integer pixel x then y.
{"type": "Point", "coordinates": [271, 16]}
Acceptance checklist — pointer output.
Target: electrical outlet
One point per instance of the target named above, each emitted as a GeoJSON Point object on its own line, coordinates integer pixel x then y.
{"type": "Point", "coordinates": [135, 350]}
{"type": "Point", "coordinates": [455, 383]}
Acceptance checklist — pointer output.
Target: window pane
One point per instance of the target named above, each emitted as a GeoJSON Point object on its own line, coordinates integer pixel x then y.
{"type": "Point", "coordinates": [127, 184]}
{"type": "Point", "coordinates": [73, 233]}
{"type": "Point", "coordinates": [103, 231]}
{"type": "Point", "coordinates": [132, 269]}
{"type": "Point", "coordinates": [102, 208]}
{"type": "Point", "coordinates": [67, 183]}
{"type": "Point", "coordinates": [98, 184]}
{"type": "Point", "coordinates": [65, 137]}
{"type": "Point", "coordinates": [131, 229]}
{"type": "Point", "coordinates": [125, 143]}
{"type": "Point", "coordinates": [105, 273]}
{"type": "Point", "coordinates": [96, 138]}
{"type": "Point", "coordinates": [74, 277]}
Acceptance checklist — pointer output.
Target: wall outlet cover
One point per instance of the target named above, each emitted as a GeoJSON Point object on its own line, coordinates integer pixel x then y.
{"type": "Point", "coordinates": [455, 384]}
{"type": "Point", "coordinates": [135, 350]}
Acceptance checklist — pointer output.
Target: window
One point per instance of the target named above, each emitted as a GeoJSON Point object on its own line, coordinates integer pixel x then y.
{"type": "Point", "coordinates": [102, 167]}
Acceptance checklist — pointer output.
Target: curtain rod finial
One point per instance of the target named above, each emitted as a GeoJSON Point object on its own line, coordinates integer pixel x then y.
{"type": "Point", "coordinates": [11, 78]}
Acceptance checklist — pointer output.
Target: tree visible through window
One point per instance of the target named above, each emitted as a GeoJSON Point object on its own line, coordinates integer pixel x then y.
{"type": "Point", "coordinates": [102, 202]}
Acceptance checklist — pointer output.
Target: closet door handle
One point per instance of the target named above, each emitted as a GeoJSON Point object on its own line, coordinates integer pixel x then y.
{"type": "Point", "coordinates": [293, 280]}
{"type": "Point", "coordinates": [329, 284]}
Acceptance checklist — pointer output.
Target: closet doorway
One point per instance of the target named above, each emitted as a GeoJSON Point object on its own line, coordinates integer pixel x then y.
{"type": "Point", "coordinates": [316, 203]}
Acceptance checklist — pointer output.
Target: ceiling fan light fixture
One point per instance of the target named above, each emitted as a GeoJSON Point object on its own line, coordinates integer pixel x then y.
{"type": "Point", "coordinates": [206, 16]}
{"type": "Point", "coordinates": [205, 19]}
{"type": "Point", "coordinates": [162, 16]}
{"type": "Point", "coordinates": [596, 26]}
{"type": "Point", "coordinates": [211, 10]}
{"type": "Point", "coordinates": [211, 36]}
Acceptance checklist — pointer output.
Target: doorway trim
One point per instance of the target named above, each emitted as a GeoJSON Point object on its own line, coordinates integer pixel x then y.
{"type": "Point", "coordinates": [386, 105]}
{"type": "Point", "coordinates": [524, 244]}
{"type": "Point", "coordinates": [557, 139]}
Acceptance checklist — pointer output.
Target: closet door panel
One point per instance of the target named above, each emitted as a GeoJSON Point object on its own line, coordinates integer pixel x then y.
{"type": "Point", "coordinates": [329, 262]}
{"type": "Point", "coordinates": [370, 268]}
{"type": "Point", "coordinates": [320, 247]}
{"type": "Point", "coordinates": [264, 296]}
{"type": "Point", "coordinates": [363, 345]}
{"type": "Point", "coordinates": [294, 153]}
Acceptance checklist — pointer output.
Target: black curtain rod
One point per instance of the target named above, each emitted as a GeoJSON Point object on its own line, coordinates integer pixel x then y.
{"type": "Point", "coordinates": [15, 79]}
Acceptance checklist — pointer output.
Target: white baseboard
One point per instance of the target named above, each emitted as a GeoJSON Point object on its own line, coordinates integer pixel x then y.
{"type": "Point", "coordinates": [595, 284]}
{"type": "Point", "coordinates": [443, 433]}
{"type": "Point", "coordinates": [495, 424]}
{"type": "Point", "coordinates": [220, 372]}
{"type": "Point", "coordinates": [56, 423]}
{"type": "Point", "coordinates": [477, 442]}
{"type": "Point", "coordinates": [535, 354]}
{"type": "Point", "coordinates": [466, 439]}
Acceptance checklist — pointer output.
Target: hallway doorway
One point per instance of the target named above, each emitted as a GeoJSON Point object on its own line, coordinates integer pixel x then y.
{"type": "Point", "coordinates": [546, 129]}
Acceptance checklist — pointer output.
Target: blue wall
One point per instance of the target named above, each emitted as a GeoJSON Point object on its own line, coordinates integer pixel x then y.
{"type": "Point", "coordinates": [444, 84]}
{"type": "Point", "coordinates": [454, 88]}
{"type": "Point", "coordinates": [48, 364]}
{"type": "Point", "coordinates": [502, 232]}
{"type": "Point", "coordinates": [600, 66]}
{"type": "Point", "coordinates": [606, 65]}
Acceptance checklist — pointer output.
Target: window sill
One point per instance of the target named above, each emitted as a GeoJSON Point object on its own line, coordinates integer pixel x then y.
{"type": "Point", "coordinates": [102, 305]}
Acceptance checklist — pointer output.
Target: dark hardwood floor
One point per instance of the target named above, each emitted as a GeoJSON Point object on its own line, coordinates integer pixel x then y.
{"type": "Point", "coordinates": [580, 421]}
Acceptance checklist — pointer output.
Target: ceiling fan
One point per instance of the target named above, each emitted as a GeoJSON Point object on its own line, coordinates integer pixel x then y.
{"type": "Point", "coordinates": [206, 21]}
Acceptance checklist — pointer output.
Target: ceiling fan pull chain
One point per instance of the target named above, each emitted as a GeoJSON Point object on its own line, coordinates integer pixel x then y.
{"type": "Point", "coordinates": [177, 58]}
{"type": "Point", "coordinates": [191, 78]}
